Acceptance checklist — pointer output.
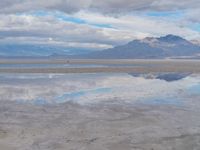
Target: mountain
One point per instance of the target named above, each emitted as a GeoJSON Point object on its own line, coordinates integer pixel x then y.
{"type": "Point", "coordinates": [197, 42]}
{"type": "Point", "coordinates": [169, 46]}
{"type": "Point", "coordinates": [163, 47]}
{"type": "Point", "coordinates": [12, 50]}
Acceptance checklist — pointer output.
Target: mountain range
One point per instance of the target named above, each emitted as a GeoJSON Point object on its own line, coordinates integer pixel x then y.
{"type": "Point", "coordinates": [37, 50]}
{"type": "Point", "coordinates": [169, 46]}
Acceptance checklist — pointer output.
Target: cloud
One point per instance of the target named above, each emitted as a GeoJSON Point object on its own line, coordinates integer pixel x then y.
{"type": "Point", "coordinates": [109, 6]}
{"type": "Point", "coordinates": [94, 31]}
{"type": "Point", "coordinates": [96, 24]}
{"type": "Point", "coordinates": [193, 16]}
{"type": "Point", "coordinates": [69, 6]}
{"type": "Point", "coordinates": [27, 28]}
{"type": "Point", "coordinates": [141, 25]}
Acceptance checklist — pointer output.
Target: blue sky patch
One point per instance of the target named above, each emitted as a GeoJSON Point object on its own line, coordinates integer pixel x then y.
{"type": "Point", "coordinates": [70, 19]}
{"type": "Point", "coordinates": [173, 14]}
{"type": "Point", "coordinates": [63, 17]}
{"type": "Point", "coordinates": [102, 25]}
{"type": "Point", "coordinates": [196, 27]}
{"type": "Point", "coordinates": [76, 95]}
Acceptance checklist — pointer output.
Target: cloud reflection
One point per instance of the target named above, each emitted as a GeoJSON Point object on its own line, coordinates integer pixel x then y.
{"type": "Point", "coordinates": [91, 88]}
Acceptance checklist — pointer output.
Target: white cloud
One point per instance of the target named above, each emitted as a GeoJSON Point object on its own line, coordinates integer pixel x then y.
{"type": "Point", "coordinates": [127, 17]}
{"type": "Point", "coordinates": [111, 6]}
{"type": "Point", "coordinates": [27, 28]}
{"type": "Point", "coordinates": [142, 26]}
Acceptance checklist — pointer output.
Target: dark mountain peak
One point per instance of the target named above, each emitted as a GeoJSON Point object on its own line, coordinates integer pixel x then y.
{"type": "Point", "coordinates": [133, 41]}
{"type": "Point", "coordinates": [146, 40]}
{"type": "Point", "coordinates": [149, 38]}
{"type": "Point", "coordinates": [171, 38]}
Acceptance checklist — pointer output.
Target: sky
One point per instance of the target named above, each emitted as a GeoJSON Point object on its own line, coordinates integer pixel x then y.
{"type": "Point", "coordinates": [96, 24]}
{"type": "Point", "coordinates": [93, 88]}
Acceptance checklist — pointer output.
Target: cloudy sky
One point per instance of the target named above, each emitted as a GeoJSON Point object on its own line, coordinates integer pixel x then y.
{"type": "Point", "coordinates": [95, 24]}
{"type": "Point", "coordinates": [92, 88]}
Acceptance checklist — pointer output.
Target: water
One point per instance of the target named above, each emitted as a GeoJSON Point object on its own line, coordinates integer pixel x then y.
{"type": "Point", "coordinates": [49, 65]}
{"type": "Point", "coordinates": [73, 96]}
{"type": "Point", "coordinates": [95, 88]}
{"type": "Point", "coordinates": [163, 101]}
{"type": "Point", "coordinates": [68, 65]}
{"type": "Point", "coordinates": [194, 89]}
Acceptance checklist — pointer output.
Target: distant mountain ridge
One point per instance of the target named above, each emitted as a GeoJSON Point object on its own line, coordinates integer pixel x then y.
{"type": "Point", "coordinates": [150, 47]}
{"type": "Point", "coordinates": [197, 42]}
{"type": "Point", "coordinates": [37, 50]}
{"type": "Point", "coordinates": [169, 46]}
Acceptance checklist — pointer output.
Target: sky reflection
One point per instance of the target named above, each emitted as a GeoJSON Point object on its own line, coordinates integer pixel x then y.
{"type": "Point", "coordinates": [96, 88]}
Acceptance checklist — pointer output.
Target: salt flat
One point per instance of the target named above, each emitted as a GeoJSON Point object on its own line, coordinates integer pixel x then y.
{"type": "Point", "coordinates": [136, 66]}
{"type": "Point", "coordinates": [139, 107]}
{"type": "Point", "coordinates": [102, 127]}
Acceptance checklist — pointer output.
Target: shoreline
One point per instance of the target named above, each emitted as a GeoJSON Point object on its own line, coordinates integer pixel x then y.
{"type": "Point", "coordinates": [139, 66]}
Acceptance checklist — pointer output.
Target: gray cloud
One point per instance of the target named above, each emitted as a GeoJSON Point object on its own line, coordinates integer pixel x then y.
{"type": "Point", "coordinates": [193, 16]}
{"type": "Point", "coordinates": [128, 25]}
{"type": "Point", "coordinates": [109, 6]}
{"type": "Point", "coordinates": [13, 6]}
{"type": "Point", "coordinates": [50, 30]}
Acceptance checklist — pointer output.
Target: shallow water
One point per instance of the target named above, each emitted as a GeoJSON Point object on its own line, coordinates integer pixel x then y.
{"type": "Point", "coordinates": [67, 65]}
{"type": "Point", "coordinates": [163, 101]}
{"type": "Point", "coordinates": [73, 96]}
{"type": "Point", "coordinates": [194, 89]}
{"type": "Point", "coordinates": [99, 112]}
{"type": "Point", "coordinates": [49, 65]}
{"type": "Point", "coordinates": [95, 88]}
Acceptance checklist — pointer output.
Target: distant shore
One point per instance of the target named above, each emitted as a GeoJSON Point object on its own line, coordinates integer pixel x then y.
{"type": "Point", "coordinates": [133, 66]}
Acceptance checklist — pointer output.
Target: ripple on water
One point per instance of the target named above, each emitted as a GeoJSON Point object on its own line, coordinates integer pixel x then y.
{"type": "Point", "coordinates": [76, 95]}
{"type": "Point", "coordinates": [162, 101]}
{"type": "Point", "coordinates": [195, 89]}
